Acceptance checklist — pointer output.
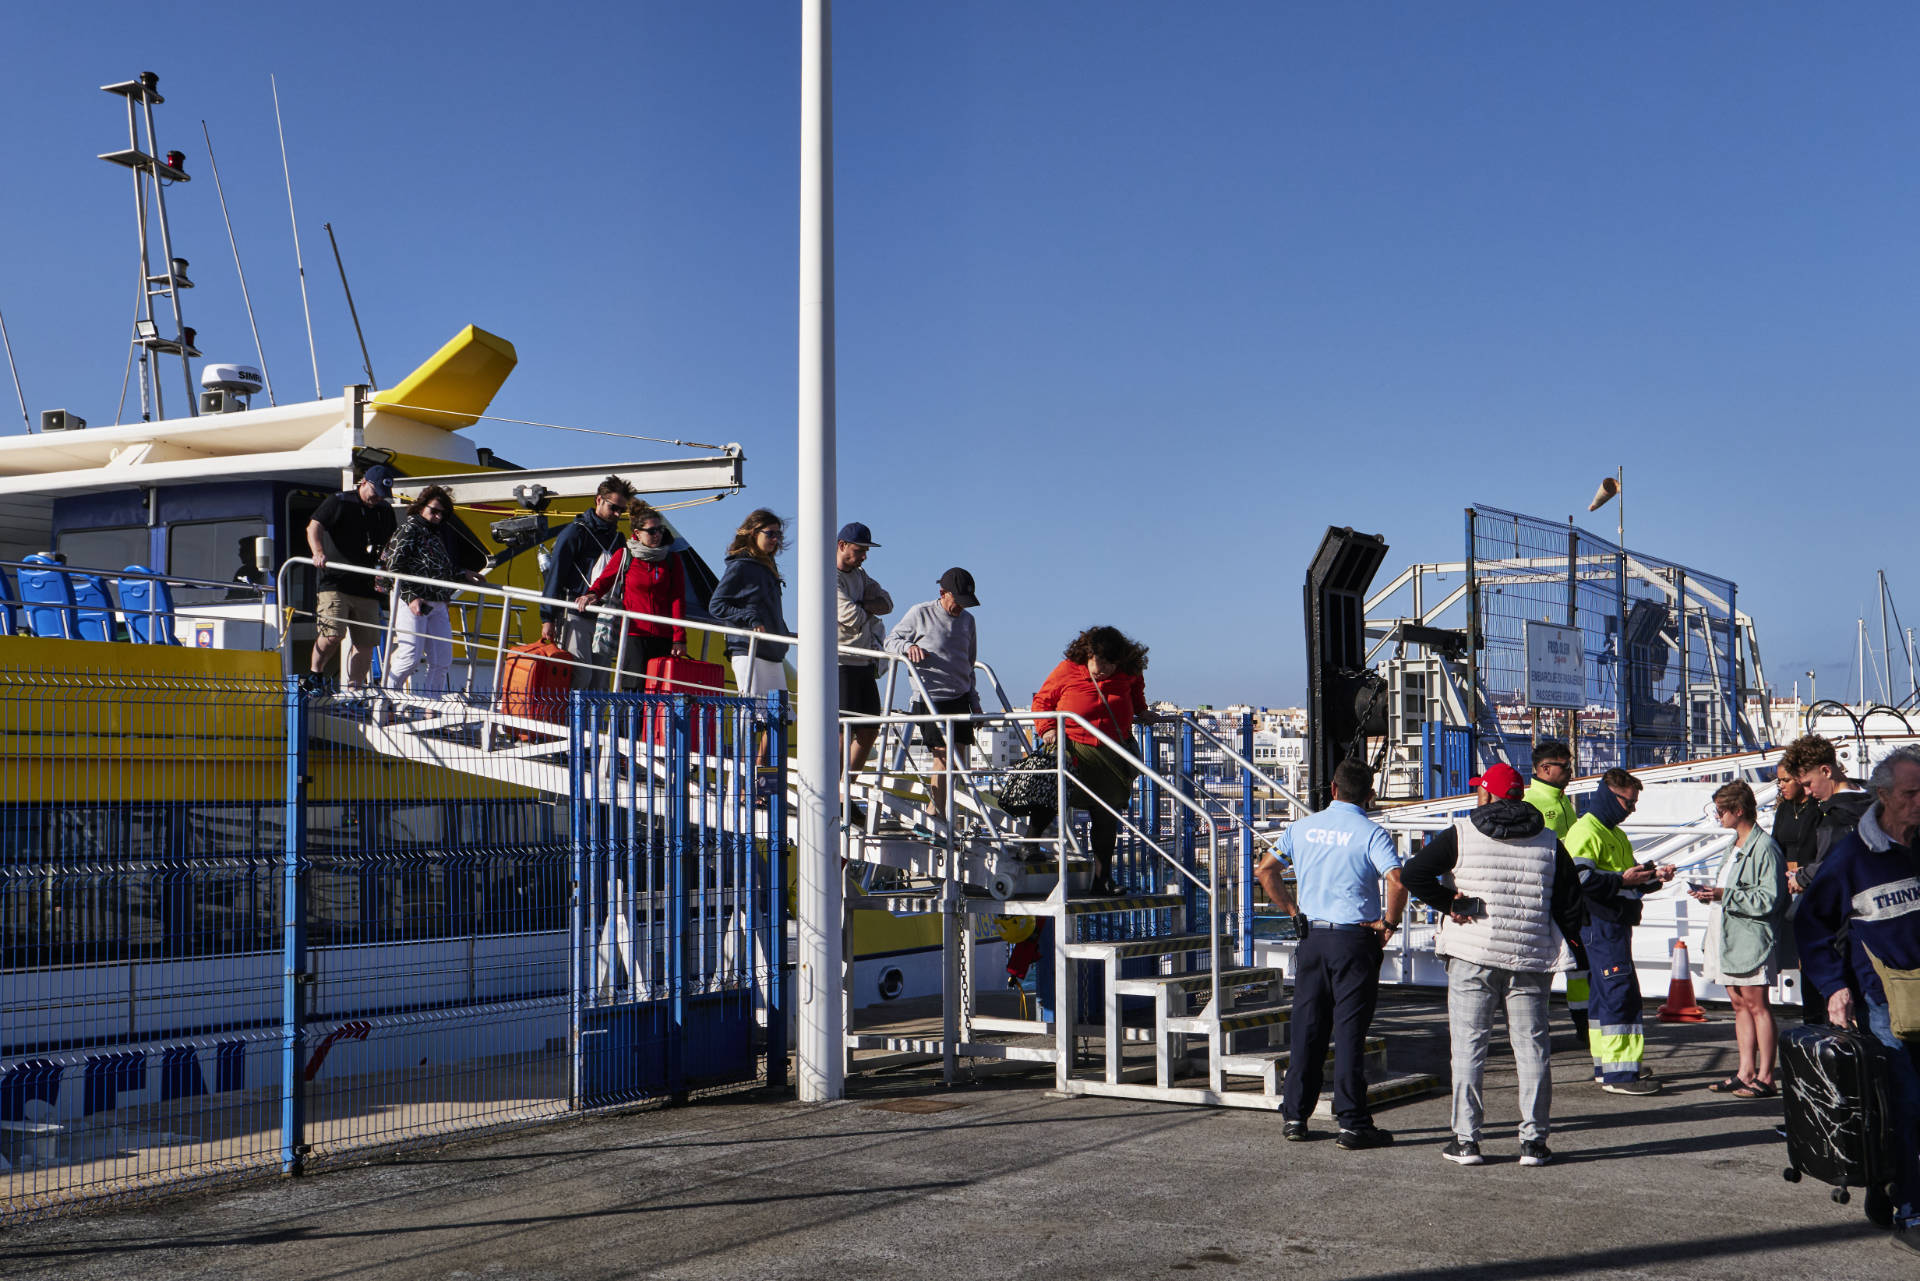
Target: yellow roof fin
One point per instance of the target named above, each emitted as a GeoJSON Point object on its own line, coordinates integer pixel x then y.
{"type": "Point", "coordinates": [456, 384]}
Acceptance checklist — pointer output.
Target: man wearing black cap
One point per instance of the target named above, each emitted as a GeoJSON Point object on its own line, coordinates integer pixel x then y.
{"type": "Point", "coordinates": [862, 601]}
{"type": "Point", "coordinates": [353, 526]}
{"type": "Point", "coordinates": [937, 637]}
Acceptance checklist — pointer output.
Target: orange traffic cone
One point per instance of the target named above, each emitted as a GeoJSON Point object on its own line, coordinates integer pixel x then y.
{"type": "Point", "coordinates": [1681, 1007]}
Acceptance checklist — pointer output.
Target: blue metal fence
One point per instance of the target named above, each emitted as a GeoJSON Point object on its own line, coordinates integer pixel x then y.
{"type": "Point", "coordinates": [243, 931]}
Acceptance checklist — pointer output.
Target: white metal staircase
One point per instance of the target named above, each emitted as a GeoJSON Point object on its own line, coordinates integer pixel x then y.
{"type": "Point", "coordinates": [1176, 1017]}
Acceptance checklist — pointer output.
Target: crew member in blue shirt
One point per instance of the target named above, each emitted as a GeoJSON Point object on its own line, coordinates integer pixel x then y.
{"type": "Point", "coordinates": [1339, 857]}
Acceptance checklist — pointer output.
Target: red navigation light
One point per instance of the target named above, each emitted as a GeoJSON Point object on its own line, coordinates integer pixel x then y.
{"type": "Point", "coordinates": [177, 160]}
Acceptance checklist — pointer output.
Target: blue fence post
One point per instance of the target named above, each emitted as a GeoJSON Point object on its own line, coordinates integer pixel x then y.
{"type": "Point", "coordinates": [294, 976]}
{"type": "Point", "coordinates": [1246, 842]}
{"type": "Point", "coordinates": [777, 895]}
{"type": "Point", "coordinates": [680, 839]}
{"type": "Point", "coordinates": [578, 768]}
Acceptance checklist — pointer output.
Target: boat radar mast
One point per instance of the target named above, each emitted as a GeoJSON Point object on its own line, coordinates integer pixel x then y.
{"type": "Point", "coordinates": [153, 172]}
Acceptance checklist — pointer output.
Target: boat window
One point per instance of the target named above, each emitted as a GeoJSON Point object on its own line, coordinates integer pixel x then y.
{"type": "Point", "coordinates": [218, 550]}
{"type": "Point", "coordinates": [110, 550]}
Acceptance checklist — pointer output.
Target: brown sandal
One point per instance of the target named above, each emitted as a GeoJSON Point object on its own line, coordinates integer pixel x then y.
{"type": "Point", "coordinates": [1728, 1086]}
{"type": "Point", "coordinates": [1757, 1090]}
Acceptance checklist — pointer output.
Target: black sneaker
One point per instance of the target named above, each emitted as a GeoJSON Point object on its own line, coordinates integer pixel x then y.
{"type": "Point", "coordinates": [1879, 1208]}
{"type": "Point", "coordinates": [1534, 1152]}
{"type": "Point", "coordinates": [1640, 1087]}
{"type": "Point", "coordinates": [1367, 1136]}
{"type": "Point", "coordinates": [1294, 1131]}
{"type": "Point", "coordinates": [1463, 1153]}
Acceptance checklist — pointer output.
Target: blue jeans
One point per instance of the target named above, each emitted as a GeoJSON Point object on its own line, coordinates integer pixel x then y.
{"type": "Point", "coordinates": [1904, 1077]}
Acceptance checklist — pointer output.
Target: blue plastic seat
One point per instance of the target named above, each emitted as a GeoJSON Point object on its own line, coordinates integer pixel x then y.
{"type": "Point", "coordinates": [10, 624]}
{"type": "Point", "coordinates": [47, 596]}
{"type": "Point", "coordinates": [147, 605]}
{"type": "Point", "coordinates": [94, 618]}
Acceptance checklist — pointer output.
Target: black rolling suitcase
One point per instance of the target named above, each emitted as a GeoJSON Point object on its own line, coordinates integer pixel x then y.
{"type": "Point", "coordinates": [1834, 1081]}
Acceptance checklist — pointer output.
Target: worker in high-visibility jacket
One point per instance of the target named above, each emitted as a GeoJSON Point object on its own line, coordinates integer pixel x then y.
{"type": "Point", "coordinates": [1552, 771]}
{"type": "Point", "coordinates": [1613, 884]}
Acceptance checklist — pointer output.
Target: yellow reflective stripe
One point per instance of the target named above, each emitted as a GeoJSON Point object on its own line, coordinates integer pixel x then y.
{"type": "Point", "coordinates": [1616, 1051]}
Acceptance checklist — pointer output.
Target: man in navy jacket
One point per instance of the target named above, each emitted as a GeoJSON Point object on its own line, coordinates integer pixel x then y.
{"type": "Point", "coordinates": [1869, 886]}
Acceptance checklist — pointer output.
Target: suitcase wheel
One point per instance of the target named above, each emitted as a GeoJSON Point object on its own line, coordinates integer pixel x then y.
{"type": "Point", "coordinates": [1841, 1196]}
{"type": "Point", "coordinates": [1790, 1174]}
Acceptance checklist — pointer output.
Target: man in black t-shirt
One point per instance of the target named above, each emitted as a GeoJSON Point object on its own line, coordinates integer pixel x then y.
{"type": "Point", "coordinates": [353, 526]}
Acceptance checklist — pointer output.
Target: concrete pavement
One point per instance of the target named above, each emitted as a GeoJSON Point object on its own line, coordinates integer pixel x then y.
{"type": "Point", "coordinates": [1003, 1180]}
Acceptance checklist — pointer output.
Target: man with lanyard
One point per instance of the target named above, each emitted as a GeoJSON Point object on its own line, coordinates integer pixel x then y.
{"type": "Point", "coordinates": [1547, 792]}
{"type": "Point", "coordinates": [1613, 883]}
{"type": "Point", "coordinates": [354, 527]}
{"type": "Point", "coordinates": [579, 553]}
{"type": "Point", "coordinates": [1339, 857]}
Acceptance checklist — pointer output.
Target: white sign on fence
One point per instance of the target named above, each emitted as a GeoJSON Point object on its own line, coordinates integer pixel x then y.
{"type": "Point", "coordinates": [1556, 670]}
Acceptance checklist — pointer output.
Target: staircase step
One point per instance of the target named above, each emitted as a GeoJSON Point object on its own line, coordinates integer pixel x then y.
{"type": "Point", "coordinates": [1190, 983]}
{"type": "Point", "coordinates": [1379, 1094]}
{"type": "Point", "coordinates": [1128, 903]}
{"type": "Point", "coordinates": [1100, 950]}
{"type": "Point", "coordinates": [1236, 1021]}
{"type": "Point", "coordinates": [1394, 1089]}
{"type": "Point", "coordinates": [1277, 1060]}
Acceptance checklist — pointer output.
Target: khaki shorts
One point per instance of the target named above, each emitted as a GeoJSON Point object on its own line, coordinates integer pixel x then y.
{"type": "Point", "coordinates": [340, 613]}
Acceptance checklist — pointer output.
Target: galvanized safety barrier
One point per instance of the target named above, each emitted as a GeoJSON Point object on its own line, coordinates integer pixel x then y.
{"type": "Point", "coordinates": [1662, 645]}
{"type": "Point", "coordinates": [245, 929]}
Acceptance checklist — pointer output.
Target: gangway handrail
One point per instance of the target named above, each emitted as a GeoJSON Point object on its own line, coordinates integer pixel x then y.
{"type": "Point", "coordinates": [255, 595]}
{"type": "Point", "coordinates": [508, 596]}
{"type": "Point", "coordinates": [1679, 771]}
{"type": "Point", "coordinates": [172, 580]}
{"type": "Point", "coordinates": [1060, 719]}
{"type": "Point", "coordinates": [1233, 754]}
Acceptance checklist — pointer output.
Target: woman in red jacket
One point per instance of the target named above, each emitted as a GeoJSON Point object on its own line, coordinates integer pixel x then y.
{"type": "Point", "coordinates": [1101, 679]}
{"type": "Point", "coordinates": [655, 583]}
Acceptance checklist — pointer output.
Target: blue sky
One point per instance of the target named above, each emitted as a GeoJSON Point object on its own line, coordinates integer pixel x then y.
{"type": "Point", "coordinates": [1134, 299]}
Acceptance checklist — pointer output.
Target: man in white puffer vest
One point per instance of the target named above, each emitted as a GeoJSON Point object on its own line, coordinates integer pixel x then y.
{"type": "Point", "coordinates": [1509, 898]}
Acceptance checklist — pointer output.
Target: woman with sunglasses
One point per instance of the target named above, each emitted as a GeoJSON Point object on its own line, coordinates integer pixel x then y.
{"type": "Point", "coordinates": [653, 581]}
{"type": "Point", "coordinates": [1749, 909]}
{"type": "Point", "coordinates": [427, 544]}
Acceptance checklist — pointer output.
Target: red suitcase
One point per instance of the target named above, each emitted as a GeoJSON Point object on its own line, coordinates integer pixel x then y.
{"type": "Point", "coordinates": [689, 676]}
{"type": "Point", "coordinates": [533, 687]}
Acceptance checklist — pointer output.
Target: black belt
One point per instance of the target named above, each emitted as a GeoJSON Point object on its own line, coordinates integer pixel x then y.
{"type": "Point", "coordinates": [1329, 925]}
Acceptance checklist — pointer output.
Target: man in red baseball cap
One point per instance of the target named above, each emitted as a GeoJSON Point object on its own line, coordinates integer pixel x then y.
{"type": "Point", "coordinates": [1509, 898]}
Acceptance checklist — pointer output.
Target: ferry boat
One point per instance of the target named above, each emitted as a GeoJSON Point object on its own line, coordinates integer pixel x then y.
{"type": "Point", "coordinates": [155, 598]}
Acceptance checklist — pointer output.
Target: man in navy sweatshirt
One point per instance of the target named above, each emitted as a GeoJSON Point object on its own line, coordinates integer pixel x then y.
{"type": "Point", "coordinates": [1869, 886]}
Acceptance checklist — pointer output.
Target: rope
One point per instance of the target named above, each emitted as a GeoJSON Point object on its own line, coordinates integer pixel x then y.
{"type": "Point", "coordinates": [527, 422]}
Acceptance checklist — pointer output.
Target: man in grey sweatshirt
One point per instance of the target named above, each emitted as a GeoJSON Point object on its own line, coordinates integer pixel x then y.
{"type": "Point", "coordinates": [937, 637]}
{"type": "Point", "coordinates": [862, 601]}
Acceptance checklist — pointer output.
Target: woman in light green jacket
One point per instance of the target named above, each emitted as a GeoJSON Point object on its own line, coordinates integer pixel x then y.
{"type": "Point", "coordinates": [1744, 938]}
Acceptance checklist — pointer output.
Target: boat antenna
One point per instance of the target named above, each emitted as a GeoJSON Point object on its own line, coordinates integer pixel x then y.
{"type": "Point", "coordinates": [17, 393]}
{"type": "Point", "coordinates": [366, 361]}
{"type": "Point", "coordinates": [294, 218]}
{"type": "Point", "coordinates": [1886, 642]}
{"type": "Point", "coordinates": [245, 297]}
